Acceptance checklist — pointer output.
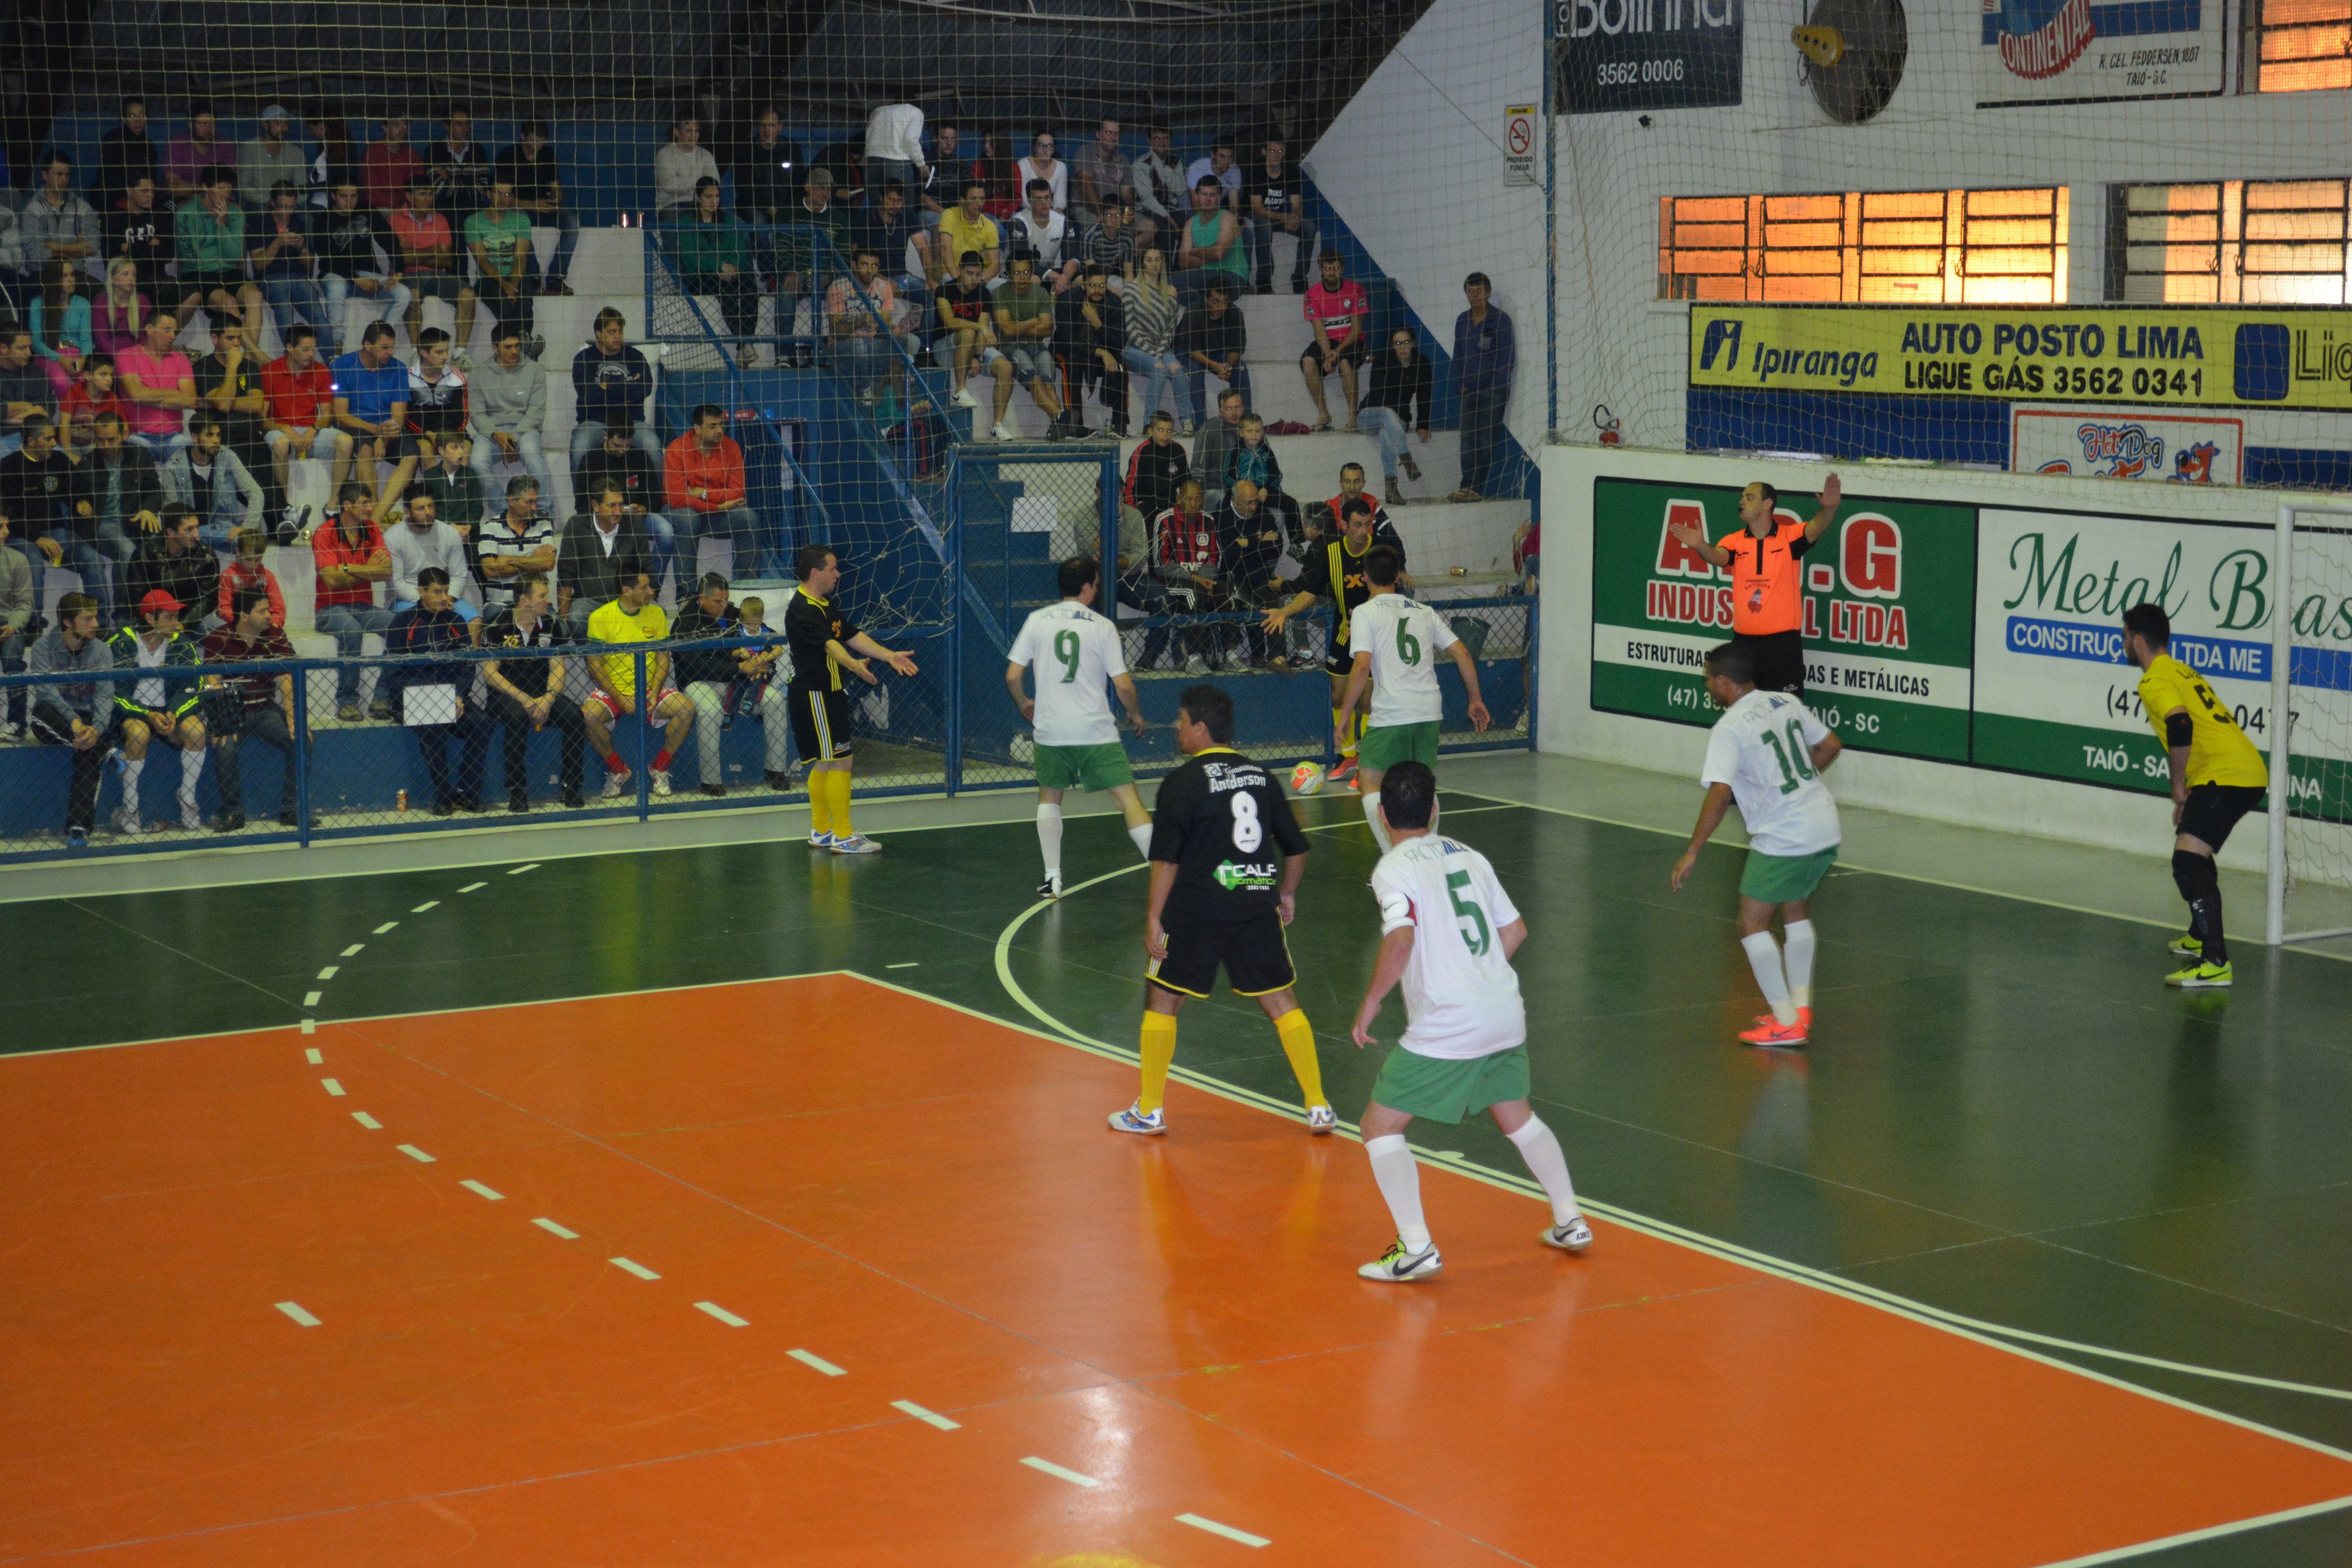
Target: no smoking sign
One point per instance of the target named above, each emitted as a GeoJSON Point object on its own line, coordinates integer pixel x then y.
{"type": "Point", "coordinates": [1520, 144]}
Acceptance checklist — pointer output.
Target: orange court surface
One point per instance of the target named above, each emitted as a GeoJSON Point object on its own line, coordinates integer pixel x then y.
{"type": "Point", "coordinates": [504, 1286]}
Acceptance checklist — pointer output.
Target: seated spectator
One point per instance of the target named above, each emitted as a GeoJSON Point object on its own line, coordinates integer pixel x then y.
{"type": "Point", "coordinates": [861, 316]}
{"type": "Point", "coordinates": [118, 317]}
{"type": "Point", "coordinates": [16, 620]}
{"type": "Point", "coordinates": [1250, 546]}
{"type": "Point", "coordinates": [269, 158]}
{"type": "Point", "coordinates": [905, 247]}
{"type": "Point", "coordinates": [498, 239]}
{"type": "Point", "coordinates": [1399, 399]}
{"type": "Point", "coordinates": [177, 561]}
{"type": "Point", "coordinates": [1187, 561]}
{"type": "Point", "coordinates": [506, 409]}
{"type": "Point", "coordinates": [209, 234]}
{"type": "Point", "coordinates": [518, 539]}
{"type": "Point", "coordinates": [126, 155]}
{"type": "Point", "coordinates": [705, 494]}
{"type": "Point", "coordinates": [359, 258]}
{"type": "Point", "coordinates": [1162, 197]}
{"type": "Point", "coordinates": [1218, 166]}
{"type": "Point", "coordinates": [456, 490]}
{"type": "Point", "coordinates": [623, 461]}
{"type": "Point", "coordinates": [679, 164]}
{"type": "Point", "coordinates": [966, 230]}
{"type": "Point", "coordinates": [1041, 164]}
{"type": "Point", "coordinates": [708, 675]}
{"type": "Point", "coordinates": [1155, 468]}
{"type": "Point", "coordinates": [1038, 231]}
{"type": "Point", "coordinates": [1210, 249]}
{"type": "Point", "coordinates": [714, 256]}
{"type": "Point", "coordinates": [1253, 459]}
{"type": "Point", "coordinates": [41, 490]}
{"type": "Point", "coordinates": [610, 382]}
{"type": "Point", "coordinates": [60, 322]}
{"type": "Point", "coordinates": [261, 705]}
{"type": "Point", "coordinates": [459, 168]}
{"type": "Point", "coordinates": [372, 400]}
{"type": "Point", "coordinates": [428, 262]}
{"type": "Point", "coordinates": [768, 171]}
{"type": "Point", "coordinates": [228, 389]}
{"type": "Point", "coordinates": [298, 410]}
{"type": "Point", "coordinates": [1152, 314]}
{"type": "Point", "coordinates": [948, 167]}
{"type": "Point", "coordinates": [206, 475]}
{"type": "Point", "coordinates": [56, 225]}
{"type": "Point", "coordinates": [153, 704]}
{"type": "Point", "coordinates": [1219, 436]}
{"type": "Point", "coordinates": [811, 249]}
{"type": "Point", "coordinates": [1109, 244]}
{"type": "Point", "coordinates": [93, 395]}
{"type": "Point", "coordinates": [194, 150]}
{"type": "Point", "coordinates": [283, 262]}
{"type": "Point", "coordinates": [598, 550]}
{"type": "Point", "coordinates": [352, 558]}
{"type": "Point", "coordinates": [526, 691]}
{"type": "Point", "coordinates": [614, 630]}
{"type": "Point", "coordinates": [845, 162]}
{"type": "Point", "coordinates": [1337, 311]}
{"type": "Point", "coordinates": [1272, 201]}
{"type": "Point", "coordinates": [530, 166]}
{"type": "Point", "coordinates": [24, 388]}
{"type": "Point", "coordinates": [1025, 327]}
{"type": "Point", "coordinates": [250, 568]}
{"type": "Point", "coordinates": [333, 163]}
{"type": "Point", "coordinates": [124, 494]}
{"type": "Point", "coordinates": [1214, 340]}
{"type": "Point", "coordinates": [1089, 335]}
{"type": "Point", "coordinates": [1104, 179]}
{"type": "Point", "coordinates": [436, 701]}
{"type": "Point", "coordinates": [159, 385]}
{"type": "Point", "coordinates": [389, 166]}
{"type": "Point", "coordinates": [967, 338]}
{"type": "Point", "coordinates": [437, 413]}
{"type": "Point", "coordinates": [74, 705]}
{"type": "Point", "coordinates": [12, 257]}
{"type": "Point", "coordinates": [418, 542]}
{"type": "Point", "coordinates": [999, 173]}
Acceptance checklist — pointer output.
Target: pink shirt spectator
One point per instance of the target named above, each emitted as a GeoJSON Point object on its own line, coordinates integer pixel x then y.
{"type": "Point", "coordinates": [137, 365]}
{"type": "Point", "coordinates": [842, 299]}
{"type": "Point", "coordinates": [1337, 311]}
{"type": "Point", "coordinates": [110, 329]}
{"type": "Point", "coordinates": [183, 159]}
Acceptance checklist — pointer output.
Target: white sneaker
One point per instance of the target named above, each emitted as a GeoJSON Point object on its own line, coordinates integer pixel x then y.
{"type": "Point", "coordinates": [1004, 432]}
{"type": "Point", "coordinates": [1321, 1120]}
{"type": "Point", "coordinates": [1400, 1265]}
{"type": "Point", "coordinates": [661, 781]}
{"type": "Point", "coordinates": [126, 820]}
{"type": "Point", "coordinates": [1050, 888]}
{"type": "Point", "coordinates": [820, 840]}
{"type": "Point", "coordinates": [615, 783]}
{"type": "Point", "coordinates": [963, 396]}
{"type": "Point", "coordinates": [1132, 1120]}
{"type": "Point", "coordinates": [1573, 1237]}
{"type": "Point", "coordinates": [1196, 664]}
{"type": "Point", "coordinates": [856, 844]}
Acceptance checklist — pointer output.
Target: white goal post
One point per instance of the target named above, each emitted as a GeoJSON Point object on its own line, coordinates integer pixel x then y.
{"type": "Point", "coordinates": [2309, 880]}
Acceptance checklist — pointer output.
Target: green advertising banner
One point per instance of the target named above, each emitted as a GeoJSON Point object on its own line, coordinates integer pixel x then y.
{"type": "Point", "coordinates": [1889, 591]}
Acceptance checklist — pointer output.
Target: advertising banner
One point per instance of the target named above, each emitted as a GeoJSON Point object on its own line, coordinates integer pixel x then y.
{"type": "Point", "coordinates": [1887, 590]}
{"type": "Point", "coordinates": [2071, 51]}
{"type": "Point", "coordinates": [1614, 54]}
{"type": "Point", "coordinates": [2112, 444]}
{"type": "Point", "coordinates": [2189, 356]}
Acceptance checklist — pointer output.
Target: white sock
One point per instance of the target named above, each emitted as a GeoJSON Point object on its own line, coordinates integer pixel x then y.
{"type": "Point", "coordinates": [1542, 1151]}
{"type": "Point", "coordinates": [130, 771]}
{"type": "Point", "coordinates": [1049, 837]}
{"type": "Point", "coordinates": [1798, 954]}
{"type": "Point", "coordinates": [1764, 958]}
{"type": "Point", "coordinates": [1399, 1179]}
{"type": "Point", "coordinates": [1140, 836]}
{"type": "Point", "coordinates": [192, 768]}
{"type": "Point", "coordinates": [1372, 817]}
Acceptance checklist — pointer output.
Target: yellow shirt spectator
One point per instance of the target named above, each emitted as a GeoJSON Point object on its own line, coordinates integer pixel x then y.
{"type": "Point", "coordinates": [2219, 751]}
{"type": "Point", "coordinates": [959, 234]}
{"type": "Point", "coordinates": [613, 624]}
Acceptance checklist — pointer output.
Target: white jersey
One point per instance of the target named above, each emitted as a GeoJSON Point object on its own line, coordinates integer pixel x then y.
{"type": "Point", "coordinates": [1461, 995]}
{"type": "Point", "coordinates": [1762, 747]}
{"type": "Point", "coordinates": [1404, 638]}
{"type": "Point", "coordinates": [1070, 652]}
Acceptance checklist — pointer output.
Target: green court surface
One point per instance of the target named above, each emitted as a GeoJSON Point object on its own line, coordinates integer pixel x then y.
{"type": "Point", "coordinates": [2003, 1114]}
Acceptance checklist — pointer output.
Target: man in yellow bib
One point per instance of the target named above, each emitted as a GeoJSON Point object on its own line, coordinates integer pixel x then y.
{"type": "Point", "coordinates": [2218, 776]}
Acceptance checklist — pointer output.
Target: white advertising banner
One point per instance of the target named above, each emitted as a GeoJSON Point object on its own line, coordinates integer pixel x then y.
{"type": "Point", "coordinates": [2072, 51]}
{"type": "Point", "coordinates": [2108, 444]}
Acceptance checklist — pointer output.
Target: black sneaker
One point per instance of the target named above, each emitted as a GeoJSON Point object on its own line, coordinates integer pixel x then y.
{"type": "Point", "coordinates": [518, 801]}
{"type": "Point", "coordinates": [714, 789]}
{"type": "Point", "coordinates": [379, 708]}
{"type": "Point", "coordinates": [230, 822]}
{"type": "Point", "coordinates": [572, 800]}
{"type": "Point", "coordinates": [470, 804]}
{"type": "Point", "coordinates": [779, 781]}
{"type": "Point", "coordinates": [445, 808]}
{"type": "Point", "coordinates": [285, 818]}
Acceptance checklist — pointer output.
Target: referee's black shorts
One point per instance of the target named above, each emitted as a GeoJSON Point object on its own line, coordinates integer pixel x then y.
{"type": "Point", "coordinates": [2213, 809]}
{"type": "Point", "coordinates": [820, 724]}
{"type": "Point", "coordinates": [1779, 660]}
{"type": "Point", "coordinates": [1255, 954]}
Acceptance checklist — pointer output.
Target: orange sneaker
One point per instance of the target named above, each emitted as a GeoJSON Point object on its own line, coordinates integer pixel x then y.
{"type": "Point", "coordinates": [1772, 1034]}
{"type": "Point", "coordinates": [1804, 1019]}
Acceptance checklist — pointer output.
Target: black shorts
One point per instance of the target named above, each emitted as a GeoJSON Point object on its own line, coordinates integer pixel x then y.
{"type": "Point", "coordinates": [820, 724]}
{"type": "Point", "coordinates": [1255, 954]}
{"type": "Point", "coordinates": [2213, 810]}
{"type": "Point", "coordinates": [1350, 352]}
{"type": "Point", "coordinates": [1779, 660]}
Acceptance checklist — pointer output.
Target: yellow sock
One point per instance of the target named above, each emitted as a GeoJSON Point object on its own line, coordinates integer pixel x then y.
{"type": "Point", "coordinates": [1297, 1037]}
{"type": "Point", "coordinates": [820, 805]}
{"type": "Point", "coordinates": [836, 784]}
{"type": "Point", "coordinates": [1159, 1048]}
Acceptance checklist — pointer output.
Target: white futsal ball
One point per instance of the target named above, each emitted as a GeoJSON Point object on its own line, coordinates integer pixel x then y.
{"type": "Point", "coordinates": [1306, 778]}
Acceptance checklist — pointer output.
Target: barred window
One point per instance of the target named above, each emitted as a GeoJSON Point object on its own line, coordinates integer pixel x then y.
{"type": "Point", "coordinates": [1924, 248]}
{"type": "Point", "coordinates": [2272, 242]}
{"type": "Point", "coordinates": [2298, 45]}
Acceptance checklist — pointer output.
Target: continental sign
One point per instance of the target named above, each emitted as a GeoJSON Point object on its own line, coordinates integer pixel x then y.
{"type": "Point", "coordinates": [2192, 356]}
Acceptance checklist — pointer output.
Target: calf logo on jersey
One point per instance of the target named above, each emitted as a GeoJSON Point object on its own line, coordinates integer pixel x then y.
{"type": "Point", "coordinates": [1246, 878]}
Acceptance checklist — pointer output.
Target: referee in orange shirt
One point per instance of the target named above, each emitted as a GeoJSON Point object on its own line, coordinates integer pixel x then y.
{"type": "Point", "coordinates": [1768, 600]}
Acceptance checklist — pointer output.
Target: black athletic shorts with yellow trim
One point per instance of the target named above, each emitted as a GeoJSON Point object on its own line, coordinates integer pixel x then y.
{"type": "Point", "coordinates": [820, 724]}
{"type": "Point", "coordinates": [2213, 809]}
{"type": "Point", "coordinates": [1255, 954]}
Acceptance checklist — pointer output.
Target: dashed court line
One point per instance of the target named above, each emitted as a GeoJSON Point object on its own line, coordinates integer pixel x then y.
{"type": "Point", "coordinates": [310, 998]}
{"type": "Point", "coordinates": [294, 1311]}
{"type": "Point", "coordinates": [364, 1120]}
{"type": "Point", "coordinates": [331, 1087]}
{"type": "Point", "coordinates": [314, 1057]}
{"type": "Point", "coordinates": [520, 869]}
{"type": "Point", "coordinates": [723, 1314]}
{"type": "Point", "coordinates": [330, 972]}
{"type": "Point", "coordinates": [929, 1417]}
{"type": "Point", "coordinates": [480, 1190]}
{"type": "Point", "coordinates": [309, 1025]}
{"type": "Point", "coordinates": [354, 949]}
{"type": "Point", "coordinates": [916, 965]}
{"type": "Point", "coordinates": [427, 904]}
{"type": "Point", "coordinates": [628, 1266]}
{"type": "Point", "coordinates": [817, 1362]}
{"type": "Point", "coordinates": [413, 1152]}
{"type": "Point", "coordinates": [473, 886]}
{"type": "Point", "coordinates": [387, 925]}
{"type": "Point", "coordinates": [1059, 1473]}
{"type": "Point", "coordinates": [1227, 1530]}
{"type": "Point", "coordinates": [552, 1228]}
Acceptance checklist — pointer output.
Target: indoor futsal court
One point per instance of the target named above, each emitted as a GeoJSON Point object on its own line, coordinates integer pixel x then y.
{"type": "Point", "coordinates": [734, 1203]}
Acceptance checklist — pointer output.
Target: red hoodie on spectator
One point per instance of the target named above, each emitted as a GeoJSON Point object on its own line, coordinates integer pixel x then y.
{"type": "Point", "coordinates": [686, 468]}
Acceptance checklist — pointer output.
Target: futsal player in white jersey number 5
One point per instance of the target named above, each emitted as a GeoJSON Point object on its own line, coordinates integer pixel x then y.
{"type": "Point", "coordinates": [1394, 643]}
{"type": "Point", "coordinates": [1767, 753]}
{"type": "Point", "coordinates": [1075, 651]}
{"type": "Point", "coordinates": [1448, 931]}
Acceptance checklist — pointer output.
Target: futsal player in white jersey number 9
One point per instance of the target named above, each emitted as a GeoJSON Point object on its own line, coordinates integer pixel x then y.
{"type": "Point", "coordinates": [1767, 753]}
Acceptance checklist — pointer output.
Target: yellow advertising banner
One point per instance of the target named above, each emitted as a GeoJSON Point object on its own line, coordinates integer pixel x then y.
{"type": "Point", "coordinates": [2195, 355]}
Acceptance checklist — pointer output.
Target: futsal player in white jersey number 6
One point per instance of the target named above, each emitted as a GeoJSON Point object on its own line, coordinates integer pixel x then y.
{"type": "Point", "coordinates": [1075, 651]}
{"type": "Point", "coordinates": [1767, 753]}
{"type": "Point", "coordinates": [1394, 644]}
{"type": "Point", "coordinates": [1448, 931]}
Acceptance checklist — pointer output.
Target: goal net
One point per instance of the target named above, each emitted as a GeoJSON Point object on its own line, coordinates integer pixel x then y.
{"type": "Point", "coordinates": [2311, 810]}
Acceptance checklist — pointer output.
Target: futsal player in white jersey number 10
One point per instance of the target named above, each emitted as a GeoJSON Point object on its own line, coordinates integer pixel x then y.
{"type": "Point", "coordinates": [1075, 652]}
{"type": "Point", "coordinates": [1448, 931]}
{"type": "Point", "coordinates": [1767, 753]}
{"type": "Point", "coordinates": [1394, 643]}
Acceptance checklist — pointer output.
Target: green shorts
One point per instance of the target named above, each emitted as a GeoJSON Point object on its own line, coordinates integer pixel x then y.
{"type": "Point", "coordinates": [1383, 748]}
{"type": "Point", "coordinates": [1437, 1089]}
{"type": "Point", "coordinates": [1084, 767]}
{"type": "Point", "coordinates": [1785, 879]}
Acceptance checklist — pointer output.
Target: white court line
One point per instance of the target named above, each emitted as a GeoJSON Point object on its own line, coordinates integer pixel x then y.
{"type": "Point", "coordinates": [520, 869]}
{"type": "Point", "coordinates": [364, 1120]}
{"type": "Point", "coordinates": [639, 1270]}
{"type": "Point", "coordinates": [331, 1087]}
{"type": "Point", "coordinates": [552, 1228]}
{"type": "Point", "coordinates": [473, 886]}
{"type": "Point", "coordinates": [413, 1152]}
{"type": "Point", "coordinates": [330, 972]}
{"type": "Point", "coordinates": [477, 1187]}
{"type": "Point", "coordinates": [355, 950]}
{"type": "Point", "coordinates": [294, 1311]}
{"type": "Point", "coordinates": [723, 1314]}
{"type": "Point", "coordinates": [817, 1361]}
{"type": "Point", "coordinates": [383, 928]}
{"type": "Point", "coordinates": [310, 998]}
{"type": "Point", "coordinates": [1059, 1473]}
{"type": "Point", "coordinates": [427, 904]}
{"type": "Point", "coordinates": [915, 966]}
{"type": "Point", "coordinates": [1227, 1530]}
{"type": "Point", "coordinates": [2235, 1527]}
{"type": "Point", "coordinates": [309, 1025]}
{"type": "Point", "coordinates": [314, 1057]}
{"type": "Point", "coordinates": [929, 1417]}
